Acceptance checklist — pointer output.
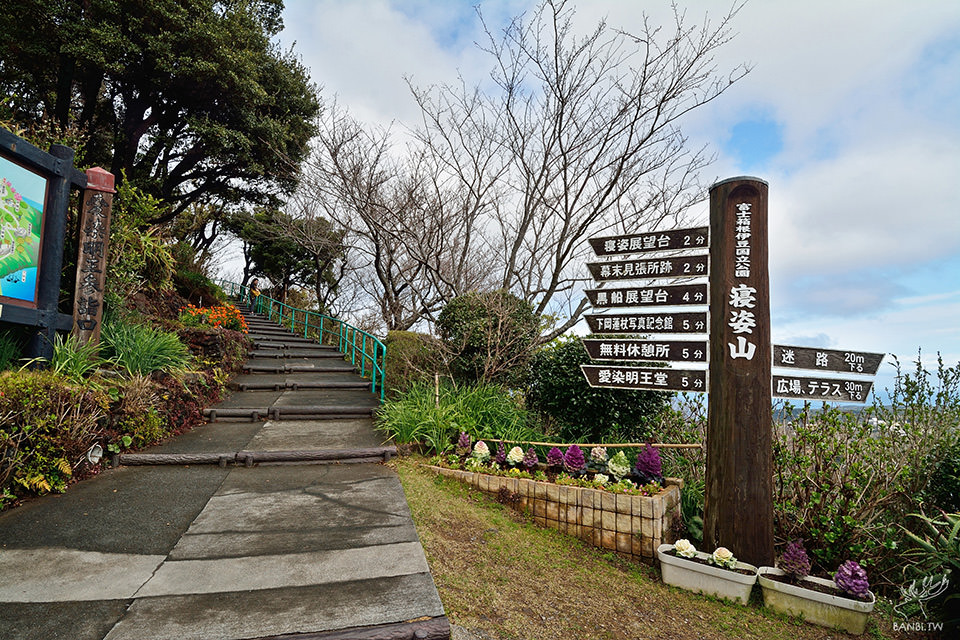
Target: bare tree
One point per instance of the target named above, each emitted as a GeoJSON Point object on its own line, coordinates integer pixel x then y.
{"type": "Point", "coordinates": [408, 234]}
{"type": "Point", "coordinates": [580, 138]}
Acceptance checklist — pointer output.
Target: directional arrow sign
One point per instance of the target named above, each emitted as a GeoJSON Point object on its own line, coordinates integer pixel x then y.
{"type": "Point", "coordinates": [648, 323]}
{"type": "Point", "coordinates": [646, 350]}
{"type": "Point", "coordinates": [671, 295]}
{"type": "Point", "coordinates": [655, 241]}
{"type": "Point", "coordinates": [829, 389]}
{"type": "Point", "coordinates": [826, 359]}
{"type": "Point", "coordinates": [689, 267]}
{"type": "Point", "coordinates": [612, 377]}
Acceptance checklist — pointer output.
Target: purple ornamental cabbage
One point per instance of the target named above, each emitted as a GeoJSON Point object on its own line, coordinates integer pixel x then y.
{"type": "Point", "coordinates": [530, 460]}
{"type": "Point", "coordinates": [554, 457]}
{"type": "Point", "coordinates": [464, 444]}
{"type": "Point", "coordinates": [852, 579]}
{"type": "Point", "coordinates": [795, 562]}
{"type": "Point", "coordinates": [648, 462]}
{"type": "Point", "coordinates": [501, 457]}
{"type": "Point", "coordinates": [573, 460]}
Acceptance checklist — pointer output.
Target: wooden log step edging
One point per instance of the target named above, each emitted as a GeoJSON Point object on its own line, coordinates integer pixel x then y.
{"type": "Point", "coordinates": [256, 414]}
{"type": "Point", "coordinates": [296, 386]}
{"type": "Point", "coordinates": [249, 458]}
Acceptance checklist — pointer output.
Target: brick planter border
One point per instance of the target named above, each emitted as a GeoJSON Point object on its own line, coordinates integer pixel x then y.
{"type": "Point", "coordinates": [632, 526]}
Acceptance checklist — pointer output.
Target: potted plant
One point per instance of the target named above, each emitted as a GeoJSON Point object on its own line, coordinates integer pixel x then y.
{"type": "Point", "coordinates": [718, 574]}
{"type": "Point", "coordinates": [843, 603]}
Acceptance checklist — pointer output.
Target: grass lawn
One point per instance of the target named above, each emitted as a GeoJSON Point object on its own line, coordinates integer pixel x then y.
{"type": "Point", "coordinates": [499, 573]}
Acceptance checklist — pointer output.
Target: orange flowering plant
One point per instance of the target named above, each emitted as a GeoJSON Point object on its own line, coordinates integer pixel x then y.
{"type": "Point", "coordinates": [226, 316]}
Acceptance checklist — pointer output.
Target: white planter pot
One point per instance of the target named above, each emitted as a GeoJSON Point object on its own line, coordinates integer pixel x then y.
{"type": "Point", "coordinates": [819, 608]}
{"type": "Point", "coordinates": [707, 579]}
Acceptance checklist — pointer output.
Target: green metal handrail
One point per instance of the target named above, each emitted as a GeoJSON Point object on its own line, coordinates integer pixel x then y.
{"type": "Point", "coordinates": [351, 341]}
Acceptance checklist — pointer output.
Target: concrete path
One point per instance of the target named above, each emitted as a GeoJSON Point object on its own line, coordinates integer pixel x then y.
{"type": "Point", "coordinates": [241, 547]}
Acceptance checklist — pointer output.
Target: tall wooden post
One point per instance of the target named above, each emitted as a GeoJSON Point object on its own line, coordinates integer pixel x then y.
{"type": "Point", "coordinates": [739, 489]}
{"type": "Point", "coordinates": [97, 202]}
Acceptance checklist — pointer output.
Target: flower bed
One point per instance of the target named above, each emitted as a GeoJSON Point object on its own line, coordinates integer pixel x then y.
{"type": "Point", "coordinates": [631, 525]}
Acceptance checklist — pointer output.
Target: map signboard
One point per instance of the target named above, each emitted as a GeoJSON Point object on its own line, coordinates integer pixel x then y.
{"type": "Point", "coordinates": [23, 196]}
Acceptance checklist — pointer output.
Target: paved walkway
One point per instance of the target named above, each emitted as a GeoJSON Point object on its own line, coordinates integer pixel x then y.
{"type": "Point", "coordinates": [272, 521]}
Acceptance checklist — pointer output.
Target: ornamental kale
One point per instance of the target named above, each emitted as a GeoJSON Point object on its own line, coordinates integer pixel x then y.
{"type": "Point", "coordinates": [515, 457]}
{"type": "Point", "coordinates": [795, 562]}
{"type": "Point", "coordinates": [554, 457]}
{"type": "Point", "coordinates": [464, 443]}
{"type": "Point", "coordinates": [573, 460]}
{"type": "Point", "coordinates": [618, 465]}
{"type": "Point", "coordinates": [598, 455]}
{"type": "Point", "coordinates": [481, 451]}
{"type": "Point", "coordinates": [530, 460]}
{"type": "Point", "coordinates": [501, 456]}
{"type": "Point", "coordinates": [852, 579]}
{"type": "Point", "coordinates": [649, 468]}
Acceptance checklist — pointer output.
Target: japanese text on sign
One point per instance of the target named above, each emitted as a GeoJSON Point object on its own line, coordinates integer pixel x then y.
{"type": "Point", "coordinates": [691, 267]}
{"type": "Point", "coordinates": [828, 389]}
{"type": "Point", "coordinates": [694, 380]}
{"type": "Point", "coordinates": [650, 350]}
{"type": "Point", "coordinates": [654, 241]}
{"type": "Point", "coordinates": [654, 323]}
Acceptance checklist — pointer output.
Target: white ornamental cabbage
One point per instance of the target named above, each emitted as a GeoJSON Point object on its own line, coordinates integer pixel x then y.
{"type": "Point", "coordinates": [685, 548]}
{"type": "Point", "coordinates": [515, 456]}
{"type": "Point", "coordinates": [481, 451]}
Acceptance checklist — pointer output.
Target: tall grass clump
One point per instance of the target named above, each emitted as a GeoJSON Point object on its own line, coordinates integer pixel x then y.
{"type": "Point", "coordinates": [74, 359]}
{"type": "Point", "coordinates": [483, 411]}
{"type": "Point", "coordinates": [142, 350]}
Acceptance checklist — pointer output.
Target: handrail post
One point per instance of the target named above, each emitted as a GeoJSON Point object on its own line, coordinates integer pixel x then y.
{"type": "Point", "coordinates": [363, 356]}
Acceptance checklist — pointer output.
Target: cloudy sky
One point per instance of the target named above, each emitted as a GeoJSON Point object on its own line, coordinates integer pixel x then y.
{"type": "Point", "coordinates": [851, 113]}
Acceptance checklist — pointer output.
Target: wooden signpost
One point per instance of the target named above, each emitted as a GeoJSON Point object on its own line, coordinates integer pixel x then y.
{"type": "Point", "coordinates": [740, 378]}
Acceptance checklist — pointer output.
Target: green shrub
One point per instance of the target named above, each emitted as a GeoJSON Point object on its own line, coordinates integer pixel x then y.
{"type": "Point", "coordinates": [489, 337]}
{"type": "Point", "coordinates": [190, 281]}
{"type": "Point", "coordinates": [411, 358]}
{"type": "Point", "coordinates": [46, 426]}
{"type": "Point", "coordinates": [843, 480]}
{"type": "Point", "coordinates": [578, 412]}
{"type": "Point", "coordinates": [139, 257]}
{"type": "Point", "coordinates": [140, 349]}
{"type": "Point", "coordinates": [943, 488]}
{"type": "Point", "coordinates": [483, 411]}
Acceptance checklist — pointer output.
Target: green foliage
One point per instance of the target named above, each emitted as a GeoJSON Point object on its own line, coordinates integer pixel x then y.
{"type": "Point", "coordinates": [140, 349]}
{"type": "Point", "coordinates": [937, 552]}
{"type": "Point", "coordinates": [411, 358]}
{"type": "Point", "coordinates": [844, 479]}
{"type": "Point", "coordinates": [943, 488]}
{"type": "Point", "coordinates": [576, 411]}
{"type": "Point", "coordinates": [190, 98]}
{"type": "Point", "coordinates": [46, 424]}
{"type": "Point", "coordinates": [483, 411]}
{"type": "Point", "coordinates": [139, 257]}
{"type": "Point", "coordinates": [490, 336]}
{"type": "Point", "coordinates": [190, 281]}
{"type": "Point", "coordinates": [10, 350]}
{"type": "Point", "coordinates": [75, 360]}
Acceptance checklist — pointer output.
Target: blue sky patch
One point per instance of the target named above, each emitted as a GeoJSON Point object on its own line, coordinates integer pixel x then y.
{"type": "Point", "coordinates": [754, 142]}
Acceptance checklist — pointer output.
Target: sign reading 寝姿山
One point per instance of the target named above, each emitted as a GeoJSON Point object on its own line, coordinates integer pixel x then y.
{"type": "Point", "coordinates": [23, 194]}
{"type": "Point", "coordinates": [653, 241]}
